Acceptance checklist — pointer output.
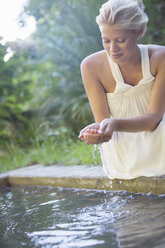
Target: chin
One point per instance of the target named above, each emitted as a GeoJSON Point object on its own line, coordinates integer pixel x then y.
{"type": "Point", "coordinates": [116, 58]}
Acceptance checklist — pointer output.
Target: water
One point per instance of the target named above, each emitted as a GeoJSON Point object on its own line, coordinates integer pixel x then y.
{"type": "Point", "coordinates": [56, 217]}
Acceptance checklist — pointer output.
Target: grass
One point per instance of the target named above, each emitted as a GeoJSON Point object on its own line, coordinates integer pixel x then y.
{"type": "Point", "coordinates": [48, 152]}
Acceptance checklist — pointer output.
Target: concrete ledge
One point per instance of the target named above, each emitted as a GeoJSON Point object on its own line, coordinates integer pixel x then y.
{"type": "Point", "coordinates": [87, 177]}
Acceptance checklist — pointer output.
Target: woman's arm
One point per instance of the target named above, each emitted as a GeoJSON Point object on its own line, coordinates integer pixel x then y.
{"type": "Point", "coordinates": [96, 96]}
{"type": "Point", "coordinates": [146, 122]}
{"type": "Point", "coordinates": [94, 89]}
{"type": "Point", "coordinates": [150, 120]}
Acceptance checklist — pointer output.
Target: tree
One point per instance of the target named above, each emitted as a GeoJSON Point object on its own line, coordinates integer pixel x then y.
{"type": "Point", "coordinates": [156, 28]}
{"type": "Point", "coordinates": [16, 84]}
{"type": "Point", "coordinates": [66, 33]}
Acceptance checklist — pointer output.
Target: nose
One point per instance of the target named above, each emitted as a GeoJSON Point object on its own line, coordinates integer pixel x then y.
{"type": "Point", "coordinates": [113, 47]}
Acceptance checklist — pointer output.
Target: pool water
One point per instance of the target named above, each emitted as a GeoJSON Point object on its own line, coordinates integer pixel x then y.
{"type": "Point", "coordinates": [56, 217]}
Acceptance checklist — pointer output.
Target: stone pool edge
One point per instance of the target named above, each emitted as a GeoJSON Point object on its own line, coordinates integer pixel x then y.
{"type": "Point", "coordinates": [79, 176]}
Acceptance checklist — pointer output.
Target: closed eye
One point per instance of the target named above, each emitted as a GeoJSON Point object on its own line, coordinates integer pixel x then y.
{"type": "Point", "coordinates": [106, 41]}
{"type": "Point", "coordinates": [121, 41]}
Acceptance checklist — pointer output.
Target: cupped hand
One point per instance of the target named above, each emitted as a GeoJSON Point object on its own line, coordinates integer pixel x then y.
{"type": "Point", "coordinates": [93, 128]}
{"type": "Point", "coordinates": [107, 127]}
{"type": "Point", "coordinates": [98, 133]}
{"type": "Point", "coordinates": [91, 136]}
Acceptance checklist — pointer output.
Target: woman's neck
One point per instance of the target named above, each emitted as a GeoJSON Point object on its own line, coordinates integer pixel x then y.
{"type": "Point", "coordinates": [134, 60]}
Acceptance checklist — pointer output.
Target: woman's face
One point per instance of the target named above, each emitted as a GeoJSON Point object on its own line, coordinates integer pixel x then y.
{"type": "Point", "coordinates": [120, 44]}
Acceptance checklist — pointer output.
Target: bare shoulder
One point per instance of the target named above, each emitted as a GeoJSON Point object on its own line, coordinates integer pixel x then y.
{"type": "Point", "coordinates": [95, 68]}
{"type": "Point", "coordinates": [157, 51]}
{"type": "Point", "coordinates": [93, 61]}
{"type": "Point", "coordinates": [157, 57]}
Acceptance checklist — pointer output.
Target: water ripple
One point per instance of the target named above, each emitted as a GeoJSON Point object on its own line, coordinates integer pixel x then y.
{"type": "Point", "coordinates": [47, 217]}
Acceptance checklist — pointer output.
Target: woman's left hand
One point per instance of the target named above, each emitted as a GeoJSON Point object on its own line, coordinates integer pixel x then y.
{"type": "Point", "coordinates": [107, 127]}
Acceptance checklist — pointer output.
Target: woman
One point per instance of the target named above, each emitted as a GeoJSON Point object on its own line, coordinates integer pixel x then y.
{"type": "Point", "coordinates": [125, 84]}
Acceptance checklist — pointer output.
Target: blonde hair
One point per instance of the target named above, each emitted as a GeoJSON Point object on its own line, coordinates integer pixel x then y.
{"type": "Point", "coordinates": [126, 14]}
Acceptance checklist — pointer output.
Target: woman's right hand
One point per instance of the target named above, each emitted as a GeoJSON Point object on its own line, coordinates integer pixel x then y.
{"type": "Point", "coordinates": [98, 133]}
{"type": "Point", "coordinates": [90, 134]}
{"type": "Point", "coordinates": [92, 128]}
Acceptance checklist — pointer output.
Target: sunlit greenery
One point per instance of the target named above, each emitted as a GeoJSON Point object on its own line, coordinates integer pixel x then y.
{"type": "Point", "coordinates": [49, 152]}
{"type": "Point", "coordinates": [41, 87]}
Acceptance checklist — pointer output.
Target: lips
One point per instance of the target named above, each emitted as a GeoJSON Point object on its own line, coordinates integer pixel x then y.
{"type": "Point", "coordinates": [115, 56]}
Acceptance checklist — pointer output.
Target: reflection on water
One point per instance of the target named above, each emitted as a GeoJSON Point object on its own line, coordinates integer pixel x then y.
{"type": "Point", "coordinates": [47, 217]}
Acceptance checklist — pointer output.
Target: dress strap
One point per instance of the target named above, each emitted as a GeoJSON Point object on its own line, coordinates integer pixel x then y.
{"type": "Point", "coordinates": [145, 60]}
{"type": "Point", "coordinates": [145, 63]}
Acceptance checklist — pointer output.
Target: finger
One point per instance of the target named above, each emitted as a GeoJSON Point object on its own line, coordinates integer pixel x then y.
{"type": "Point", "coordinates": [80, 135]}
{"type": "Point", "coordinates": [92, 131]}
{"type": "Point", "coordinates": [91, 126]}
{"type": "Point", "coordinates": [83, 130]}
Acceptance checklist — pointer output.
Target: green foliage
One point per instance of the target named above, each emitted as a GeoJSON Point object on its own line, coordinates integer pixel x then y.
{"type": "Point", "coordinates": [16, 93]}
{"type": "Point", "coordinates": [67, 33]}
{"type": "Point", "coordinates": [73, 34]}
{"type": "Point", "coordinates": [41, 88]}
{"type": "Point", "coordinates": [156, 28]}
{"type": "Point", "coordinates": [50, 151]}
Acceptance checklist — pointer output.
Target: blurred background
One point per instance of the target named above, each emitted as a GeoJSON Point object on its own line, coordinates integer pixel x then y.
{"type": "Point", "coordinates": [43, 104]}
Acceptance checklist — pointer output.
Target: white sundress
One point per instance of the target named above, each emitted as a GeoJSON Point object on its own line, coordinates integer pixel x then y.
{"type": "Point", "coordinates": [130, 155]}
